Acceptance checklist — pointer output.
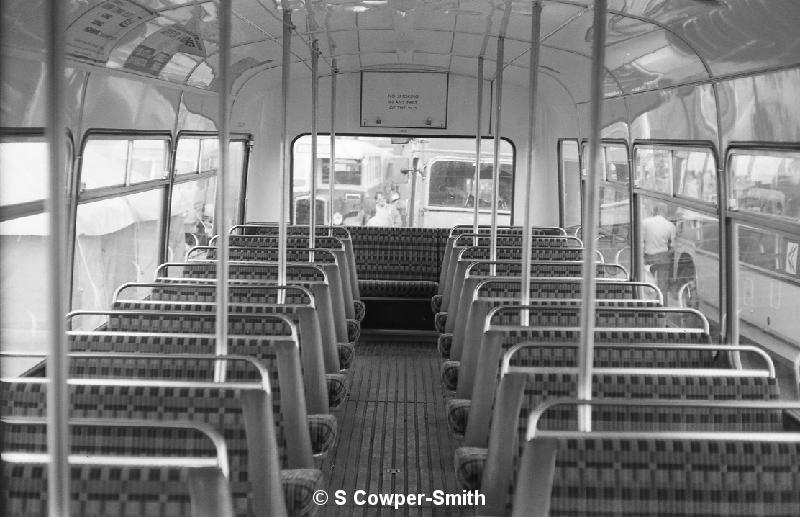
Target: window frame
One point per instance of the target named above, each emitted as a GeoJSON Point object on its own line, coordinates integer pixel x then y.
{"type": "Point", "coordinates": [672, 145]}
{"type": "Point", "coordinates": [96, 194]}
{"type": "Point", "coordinates": [38, 206]}
{"type": "Point", "coordinates": [484, 138]}
{"type": "Point", "coordinates": [755, 218]}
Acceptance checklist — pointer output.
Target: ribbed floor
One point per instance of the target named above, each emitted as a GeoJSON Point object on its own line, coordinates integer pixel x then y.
{"type": "Point", "coordinates": [393, 434]}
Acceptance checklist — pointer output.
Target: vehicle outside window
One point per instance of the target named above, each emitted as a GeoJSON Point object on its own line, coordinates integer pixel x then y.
{"type": "Point", "coordinates": [385, 181]}
{"type": "Point", "coordinates": [764, 193]}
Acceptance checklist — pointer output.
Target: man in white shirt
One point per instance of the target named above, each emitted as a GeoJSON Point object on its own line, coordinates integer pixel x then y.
{"type": "Point", "coordinates": [658, 238]}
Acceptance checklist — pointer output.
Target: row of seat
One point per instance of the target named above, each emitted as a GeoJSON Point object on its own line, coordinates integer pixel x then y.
{"type": "Point", "coordinates": [659, 381]}
{"type": "Point", "coordinates": [155, 359]}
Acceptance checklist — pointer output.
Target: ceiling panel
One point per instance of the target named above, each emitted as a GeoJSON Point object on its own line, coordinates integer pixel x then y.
{"type": "Point", "coordinates": [375, 19]}
{"type": "Point", "coordinates": [379, 59]}
{"type": "Point", "coordinates": [428, 59]}
{"type": "Point", "coordinates": [377, 41]}
{"type": "Point", "coordinates": [433, 41]}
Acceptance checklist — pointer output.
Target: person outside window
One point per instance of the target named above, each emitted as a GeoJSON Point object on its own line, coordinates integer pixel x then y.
{"type": "Point", "coordinates": [658, 240]}
{"type": "Point", "coordinates": [386, 214]}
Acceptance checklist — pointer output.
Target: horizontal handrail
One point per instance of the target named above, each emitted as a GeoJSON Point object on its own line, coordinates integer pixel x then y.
{"type": "Point", "coordinates": [476, 262]}
{"type": "Point", "coordinates": [215, 437]}
{"type": "Point", "coordinates": [770, 365]}
{"type": "Point", "coordinates": [243, 263]}
{"type": "Point", "coordinates": [536, 414]}
{"type": "Point", "coordinates": [234, 284]}
{"type": "Point", "coordinates": [570, 280]}
{"type": "Point", "coordinates": [322, 251]}
{"type": "Point", "coordinates": [674, 310]}
{"type": "Point", "coordinates": [188, 335]}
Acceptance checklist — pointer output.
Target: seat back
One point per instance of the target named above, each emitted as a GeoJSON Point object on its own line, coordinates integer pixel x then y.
{"type": "Point", "coordinates": [498, 339]}
{"type": "Point", "coordinates": [113, 473]}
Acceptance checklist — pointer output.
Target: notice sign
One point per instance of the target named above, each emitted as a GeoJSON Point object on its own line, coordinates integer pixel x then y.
{"type": "Point", "coordinates": [97, 31]}
{"type": "Point", "coordinates": [404, 99]}
{"type": "Point", "coordinates": [152, 55]}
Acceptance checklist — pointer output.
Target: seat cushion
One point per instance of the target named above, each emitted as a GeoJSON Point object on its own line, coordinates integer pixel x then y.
{"type": "Point", "coordinates": [299, 486]}
{"type": "Point", "coordinates": [457, 415]}
{"type": "Point", "coordinates": [337, 389]}
{"type": "Point", "coordinates": [449, 373]}
{"type": "Point", "coordinates": [397, 288]}
{"type": "Point", "coordinates": [353, 330]}
{"type": "Point", "coordinates": [323, 430]}
{"type": "Point", "coordinates": [440, 320]}
{"type": "Point", "coordinates": [347, 352]}
{"type": "Point", "coordinates": [469, 463]}
{"type": "Point", "coordinates": [444, 344]}
{"type": "Point", "coordinates": [436, 303]}
{"type": "Point", "coordinates": [360, 309]}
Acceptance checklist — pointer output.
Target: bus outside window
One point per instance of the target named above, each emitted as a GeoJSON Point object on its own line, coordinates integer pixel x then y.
{"type": "Point", "coordinates": [427, 182]}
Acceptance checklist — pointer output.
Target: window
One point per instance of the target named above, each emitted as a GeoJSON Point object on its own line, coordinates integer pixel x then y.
{"type": "Point", "coordinates": [115, 161]}
{"type": "Point", "coordinates": [616, 163]}
{"type": "Point", "coordinates": [23, 171]}
{"type": "Point", "coordinates": [23, 254]}
{"type": "Point", "coordinates": [348, 171]}
{"type": "Point", "coordinates": [452, 185]}
{"type": "Point", "coordinates": [384, 181]}
{"type": "Point", "coordinates": [570, 180]}
{"type": "Point", "coordinates": [683, 171]}
{"type": "Point", "coordinates": [766, 182]}
{"type": "Point", "coordinates": [117, 241]}
{"type": "Point", "coordinates": [191, 220]}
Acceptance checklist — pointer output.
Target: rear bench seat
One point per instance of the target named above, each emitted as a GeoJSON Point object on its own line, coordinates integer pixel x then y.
{"type": "Point", "coordinates": [398, 262]}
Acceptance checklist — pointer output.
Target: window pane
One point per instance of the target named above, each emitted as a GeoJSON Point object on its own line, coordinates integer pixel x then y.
{"type": "Point", "coordinates": [378, 180]}
{"type": "Point", "coordinates": [209, 154]}
{"type": "Point", "coordinates": [104, 163]}
{"type": "Point", "coordinates": [615, 224]}
{"type": "Point", "coordinates": [572, 186]}
{"type": "Point", "coordinates": [186, 155]}
{"type": "Point", "coordinates": [23, 172]}
{"type": "Point", "coordinates": [117, 242]}
{"type": "Point", "coordinates": [616, 157]}
{"type": "Point", "coordinates": [191, 216]}
{"type": "Point", "coordinates": [235, 172]}
{"type": "Point", "coordinates": [769, 289]}
{"type": "Point", "coordinates": [654, 169]}
{"type": "Point", "coordinates": [148, 160]}
{"type": "Point", "coordinates": [681, 255]}
{"type": "Point", "coordinates": [697, 174]}
{"type": "Point", "coordinates": [23, 300]}
{"type": "Point", "coordinates": [585, 161]}
{"type": "Point", "coordinates": [766, 182]}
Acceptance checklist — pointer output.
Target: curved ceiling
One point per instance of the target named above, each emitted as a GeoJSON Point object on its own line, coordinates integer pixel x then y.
{"type": "Point", "coordinates": [651, 43]}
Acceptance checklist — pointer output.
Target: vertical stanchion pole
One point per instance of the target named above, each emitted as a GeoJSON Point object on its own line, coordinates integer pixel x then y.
{"type": "Point", "coordinates": [284, 154]}
{"type": "Point", "coordinates": [498, 81]}
{"type": "Point", "coordinates": [586, 356]}
{"type": "Point", "coordinates": [312, 202]}
{"type": "Point", "coordinates": [476, 184]}
{"type": "Point", "coordinates": [332, 161]}
{"type": "Point", "coordinates": [223, 234]}
{"type": "Point", "coordinates": [533, 80]}
{"type": "Point", "coordinates": [58, 490]}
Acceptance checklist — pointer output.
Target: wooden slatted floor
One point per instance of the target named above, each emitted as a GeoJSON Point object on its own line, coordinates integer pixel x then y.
{"type": "Point", "coordinates": [393, 435]}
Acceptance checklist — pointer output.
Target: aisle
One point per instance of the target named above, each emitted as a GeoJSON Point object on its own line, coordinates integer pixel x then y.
{"type": "Point", "coordinates": [393, 430]}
